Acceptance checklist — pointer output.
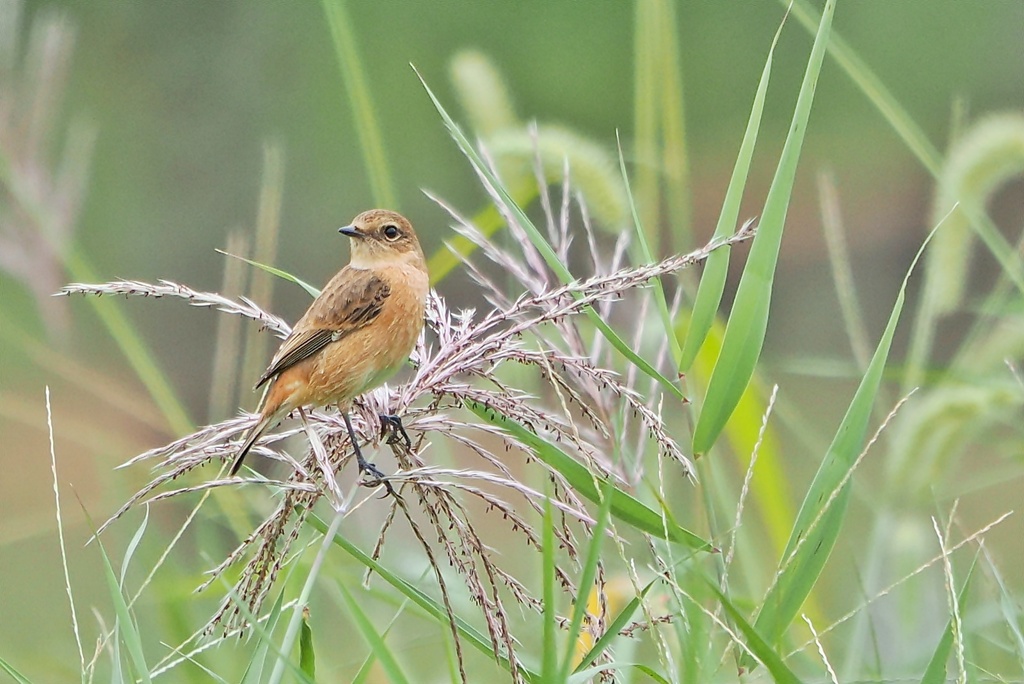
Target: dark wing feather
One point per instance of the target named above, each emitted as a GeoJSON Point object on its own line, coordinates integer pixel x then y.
{"type": "Point", "coordinates": [352, 300]}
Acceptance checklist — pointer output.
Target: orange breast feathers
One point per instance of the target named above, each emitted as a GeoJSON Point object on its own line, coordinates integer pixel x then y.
{"type": "Point", "coordinates": [363, 358]}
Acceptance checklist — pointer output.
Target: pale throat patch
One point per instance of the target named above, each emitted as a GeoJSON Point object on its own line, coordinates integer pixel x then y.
{"type": "Point", "coordinates": [365, 259]}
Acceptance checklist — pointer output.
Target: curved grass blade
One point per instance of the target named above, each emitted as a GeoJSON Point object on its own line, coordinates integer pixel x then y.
{"type": "Point", "coordinates": [769, 488]}
{"type": "Point", "coordinates": [647, 670]}
{"type": "Point", "coordinates": [757, 644]}
{"type": "Point", "coordinates": [313, 292]}
{"type": "Point", "coordinates": [125, 629]}
{"type": "Point", "coordinates": [744, 334]}
{"type": "Point", "coordinates": [712, 280]}
{"type": "Point", "coordinates": [623, 506]}
{"type": "Point", "coordinates": [500, 192]}
{"type": "Point", "coordinates": [133, 545]}
{"type": "Point", "coordinates": [366, 670]}
{"type": "Point", "coordinates": [384, 654]}
{"type": "Point", "coordinates": [824, 506]}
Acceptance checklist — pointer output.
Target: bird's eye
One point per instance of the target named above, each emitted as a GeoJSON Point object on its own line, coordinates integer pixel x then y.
{"type": "Point", "coordinates": [391, 231]}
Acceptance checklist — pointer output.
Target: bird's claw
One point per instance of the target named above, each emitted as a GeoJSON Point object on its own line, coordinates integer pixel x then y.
{"type": "Point", "coordinates": [392, 430]}
{"type": "Point", "coordinates": [375, 477]}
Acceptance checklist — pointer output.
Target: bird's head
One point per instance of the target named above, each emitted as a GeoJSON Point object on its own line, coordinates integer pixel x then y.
{"type": "Point", "coordinates": [381, 237]}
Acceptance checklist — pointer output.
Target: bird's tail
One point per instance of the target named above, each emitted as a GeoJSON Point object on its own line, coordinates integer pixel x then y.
{"type": "Point", "coordinates": [254, 433]}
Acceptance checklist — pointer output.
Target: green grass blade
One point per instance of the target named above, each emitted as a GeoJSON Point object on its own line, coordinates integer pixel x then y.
{"type": "Point", "coordinates": [612, 633]}
{"type": "Point", "coordinates": [384, 654]}
{"type": "Point", "coordinates": [313, 292]}
{"type": "Point", "coordinates": [113, 319]}
{"type": "Point", "coordinates": [466, 631]}
{"type": "Point", "coordinates": [623, 506]}
{"type": "Point", "coordinates": [695, 629]}
{"type": "Point", "coordinates": [294, 627]}
{"type": "Point", "coordinates": [254, 670]}
{"type": "Point", "coordinates": [550, 257]}
{"type": "Point", "coordinates": [675, 153]}
{"type": "Point", "coordinates": [134, 349]}
{"type": "Point", "coordinates": [586, 582]}
{"type": "Point", "coordinates": [549, 658]}
{"type": "Point", "coordinates": [770, 488]}
{"type": "Point", "coordinates": [1009, 608]}
{"type": "Point", "coordinates": [125, 630]}
{"type": "Point", "coordinates": [757, 644]}
{"type": "Point", "coordinates": [132, 546]}
{"type": "Point", "coordinates": [265, 635]}
{"type": "Point", "coordinates": [744, 334]}
{"type": "Point", "coordinates": [307, 654]}
{"type": "Point", "coordinates": [13, 672]}
{"type": "Point", "coordinates": [648, 258]}
{"type": "Point", "coordinates": [371, 142]}
{"type": "Point", "coordinates": [824, 506]}
{"type": "Point", "coordinates": [658, 679]}
{"type": "Point", "coordinates": [659, 127]}
{"type": "Point", "coordinates": [935, 673]}
{"type": "Point", "coordinates": [915, 139]}
{"type": "Point", "coordinates": [712, 280]}
{"type": "Point", "coordinates": [366, 670]}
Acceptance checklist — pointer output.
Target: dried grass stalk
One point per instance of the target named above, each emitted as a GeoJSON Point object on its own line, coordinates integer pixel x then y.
{"type": "Point", "coordinates": [577, 399]}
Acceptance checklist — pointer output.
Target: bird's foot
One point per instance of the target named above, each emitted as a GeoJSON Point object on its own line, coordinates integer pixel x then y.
{"type": "Point", "coordinates": [392, 430]}
{"type": "Point", "coordinates": [375, 476]}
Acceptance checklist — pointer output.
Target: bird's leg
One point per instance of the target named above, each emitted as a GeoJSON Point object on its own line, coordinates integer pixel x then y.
{"type": "Point", "coordinates": [364, 465]}
{"type": "Point", "coordinates": [392, 428]}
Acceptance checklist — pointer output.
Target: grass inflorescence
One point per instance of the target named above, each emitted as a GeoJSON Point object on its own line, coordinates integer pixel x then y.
{"type": "Point", "coordinates": [596, 486]}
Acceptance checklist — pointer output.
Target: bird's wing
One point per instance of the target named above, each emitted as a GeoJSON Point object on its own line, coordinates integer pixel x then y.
{"type": "Point", "coordinates": [352, 300]}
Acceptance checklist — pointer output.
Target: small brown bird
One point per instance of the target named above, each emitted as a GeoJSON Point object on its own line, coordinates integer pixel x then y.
{"type": "Point", "coordinates": [356, 334]}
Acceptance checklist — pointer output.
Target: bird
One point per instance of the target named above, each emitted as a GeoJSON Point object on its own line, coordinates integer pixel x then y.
{"type": "Point", "coordinates": [355, 335]}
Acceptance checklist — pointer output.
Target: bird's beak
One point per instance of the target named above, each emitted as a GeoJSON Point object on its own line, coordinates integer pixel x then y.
{"type": "Point", "coordinates": [350, 231]}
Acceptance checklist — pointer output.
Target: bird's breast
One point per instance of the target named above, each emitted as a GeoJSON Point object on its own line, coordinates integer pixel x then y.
{"type": "Point", "coordinates": [369, 356]}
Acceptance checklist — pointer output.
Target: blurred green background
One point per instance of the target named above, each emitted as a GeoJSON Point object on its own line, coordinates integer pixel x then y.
{"type": "Point", "coordinates": [183, 96]}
